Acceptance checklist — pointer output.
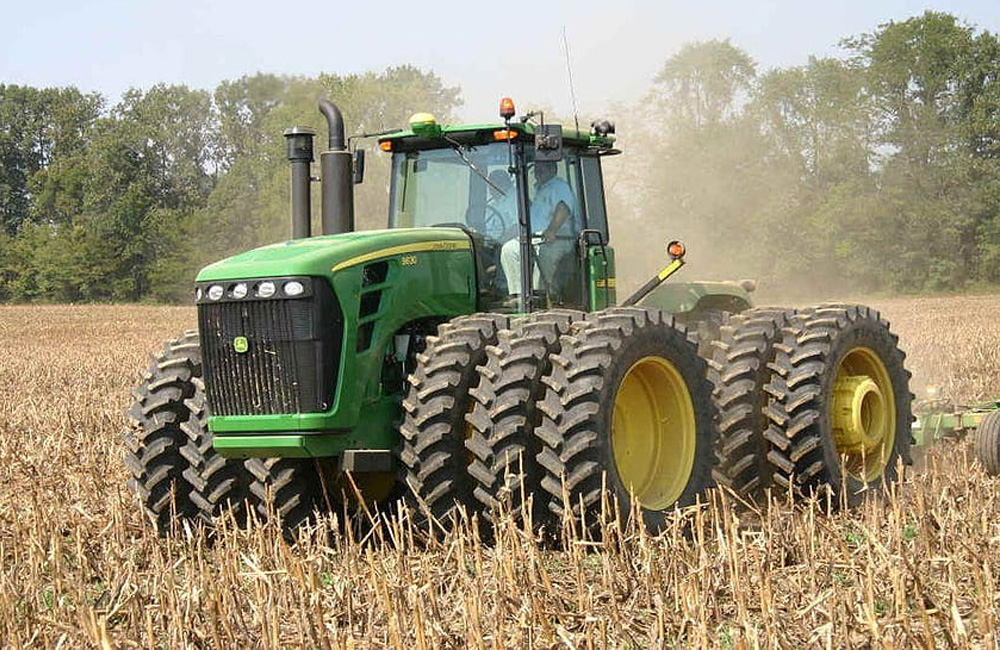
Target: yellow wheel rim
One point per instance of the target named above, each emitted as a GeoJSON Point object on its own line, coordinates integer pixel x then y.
{"type": "Point", "coordinates": [653, 433]}
{"type": "Point", "coordinates": [863, 416]}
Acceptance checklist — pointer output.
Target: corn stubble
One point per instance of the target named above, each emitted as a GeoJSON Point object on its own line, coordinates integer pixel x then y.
{"type": "Point", "coordinates": [80, 566]}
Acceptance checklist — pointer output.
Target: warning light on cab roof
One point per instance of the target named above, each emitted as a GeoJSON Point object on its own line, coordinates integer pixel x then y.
{"type": "Point", "coordinates": [507, 108]}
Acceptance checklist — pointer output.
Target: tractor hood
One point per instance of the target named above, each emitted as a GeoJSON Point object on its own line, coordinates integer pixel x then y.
{"type": "Point", "coordinates": [322, 256]}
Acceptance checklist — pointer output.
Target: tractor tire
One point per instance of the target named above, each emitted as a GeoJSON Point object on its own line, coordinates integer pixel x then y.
{"type": "Point", "coordinates": [988, 443]}
{"type": "Point", "coordinates": [840, 418]}
{"type": "Point", "coordinates": [739, 372]}
{"type": "Point", "coordinates": [162, 406]}
{"type": "Point", "coordinates": [217, 484]}
{"type": "Point", "coordinates": [434, 460]}
{"type": "Point", "coordinates": [704, 327]}
{"type": "Point", "coordinates": [505, 470]}
{"type": "Point", "coordinates": [618, 380]}
{"type": "Point", "coordinates": [288, 489]}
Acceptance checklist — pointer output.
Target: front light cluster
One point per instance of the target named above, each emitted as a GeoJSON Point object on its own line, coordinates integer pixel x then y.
{"type": "Point", "coordinates": [255, 289]}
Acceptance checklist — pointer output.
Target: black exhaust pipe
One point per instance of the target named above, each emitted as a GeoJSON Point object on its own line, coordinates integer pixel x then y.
{"type": "Point", "coordinates": [299, 149]}
{"type": "Point", "coordinates": [338, 179]}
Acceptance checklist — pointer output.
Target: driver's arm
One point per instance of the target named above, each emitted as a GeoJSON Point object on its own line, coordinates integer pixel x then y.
{"type": "Point", "coordinates": [559, 217]}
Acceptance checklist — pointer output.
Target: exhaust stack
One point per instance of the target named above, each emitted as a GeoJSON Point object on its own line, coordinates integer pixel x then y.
{"type": "Point", "coordinates": [338, 180]}
{"type": "Point", "coordinates": [299, 150]}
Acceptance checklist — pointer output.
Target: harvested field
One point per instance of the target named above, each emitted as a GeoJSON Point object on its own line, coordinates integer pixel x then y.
{"type": "Point", "coordinates": [80, 566]}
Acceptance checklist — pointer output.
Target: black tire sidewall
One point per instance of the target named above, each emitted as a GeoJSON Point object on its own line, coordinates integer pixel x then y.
{"type": "Point", "coordinates": [987, 444]}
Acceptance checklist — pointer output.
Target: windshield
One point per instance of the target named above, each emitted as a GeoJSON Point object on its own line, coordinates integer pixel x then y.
{"type": "Point", "coordinates": [441, 186]}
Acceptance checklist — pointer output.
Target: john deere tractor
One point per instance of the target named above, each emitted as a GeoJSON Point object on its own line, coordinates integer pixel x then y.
{"type": "Point", "coordinates": [475, 355]}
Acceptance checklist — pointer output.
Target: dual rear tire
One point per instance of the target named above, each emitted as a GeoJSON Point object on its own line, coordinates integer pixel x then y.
{"type": "Point", "coordinates": [565, 408]}
{"type": "Point", "coordinates": [626, 421]}
{"type": "Point", "coordinates": [813, 403]}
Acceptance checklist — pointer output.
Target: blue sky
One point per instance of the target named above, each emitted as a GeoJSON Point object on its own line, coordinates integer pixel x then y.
{"type": "Point", "coordinates": [490, 49]}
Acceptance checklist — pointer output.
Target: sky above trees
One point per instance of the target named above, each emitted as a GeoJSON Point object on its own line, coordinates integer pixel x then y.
{"type": "Point", "coordinates": [488, 49]}
{"type": "Point", "coordinates": [875, 170]}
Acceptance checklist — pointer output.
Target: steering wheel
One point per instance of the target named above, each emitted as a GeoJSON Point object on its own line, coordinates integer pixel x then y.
{"type": "Point", "coordinates": [494, 224]}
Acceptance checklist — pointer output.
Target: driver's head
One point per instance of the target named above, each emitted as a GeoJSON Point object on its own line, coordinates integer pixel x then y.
{"type": "Point", "coordinates": [544, 170]}
{"type": "Point", "coordinates": [501, 179]}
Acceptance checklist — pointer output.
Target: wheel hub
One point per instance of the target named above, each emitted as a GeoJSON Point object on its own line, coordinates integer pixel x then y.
{"type": "Point", "coordinates": [863, 413]}
{"type": "Point", "coordinates": [859, 415]}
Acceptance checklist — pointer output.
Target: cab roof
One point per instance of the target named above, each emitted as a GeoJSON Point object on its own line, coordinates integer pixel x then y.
{"type": "Point", "coordinates": [481, 134]}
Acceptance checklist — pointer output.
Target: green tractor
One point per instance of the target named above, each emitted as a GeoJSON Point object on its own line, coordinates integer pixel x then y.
{"type": "Point", "coordinates": [475, 355]}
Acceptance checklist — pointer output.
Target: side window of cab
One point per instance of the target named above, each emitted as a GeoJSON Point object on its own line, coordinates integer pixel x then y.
{"type": "Point", "coordinates": [594, 205]}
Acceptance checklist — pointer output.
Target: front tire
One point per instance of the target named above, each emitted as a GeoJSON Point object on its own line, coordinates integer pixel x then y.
{"type": "Point", "coordinates": [505, 414]}
{"type": "Point", "coordinates": [433, 455]}
{"type": "Point", "coordinates": [628, 407]}
{"type": "Point", "coordinates": [289, 489]}
{"type": "Point", "coordinates": [158, 414]}
{"type": "Point", "coordinates": [218, 484]}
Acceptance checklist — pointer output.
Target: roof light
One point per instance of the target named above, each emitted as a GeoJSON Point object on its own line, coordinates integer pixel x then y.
{"type": "Point", "coordinates": [675, 250]}
{"type": "Point", "coordinates": [507, 108]}
{"type": "Point", "coordinates": [505, 134]}
{"type": "Point", "coordinates": [425, 125]}
{"type": "Point", "coordinates": [602, 127]}
{"type": "Point", "coordinates": [385, 145]}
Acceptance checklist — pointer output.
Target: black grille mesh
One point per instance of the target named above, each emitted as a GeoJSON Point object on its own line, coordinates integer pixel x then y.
{"type": "Point", "coordinates": [290, 365]}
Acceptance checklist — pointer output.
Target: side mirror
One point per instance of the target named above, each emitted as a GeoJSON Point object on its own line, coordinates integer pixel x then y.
{"type": "Point", "coordinates": [359, 166]}
{"type": "Point", "coordinates": [548, 142]}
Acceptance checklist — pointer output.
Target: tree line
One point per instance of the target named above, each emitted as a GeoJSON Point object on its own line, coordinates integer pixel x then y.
{"type": "Point", "coordinates": [125, 203]}
{"type": "Point", "coordinates": [878, 170]}
{"type": "Point", "coordinates": [875, 171]}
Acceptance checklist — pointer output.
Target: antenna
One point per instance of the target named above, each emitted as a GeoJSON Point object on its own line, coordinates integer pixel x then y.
{"type": "Point", "coordinates": [569, 73]}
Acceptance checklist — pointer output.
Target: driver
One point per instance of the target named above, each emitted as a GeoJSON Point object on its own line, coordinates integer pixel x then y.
{"type": "Point", "coordinates": [552, 213]}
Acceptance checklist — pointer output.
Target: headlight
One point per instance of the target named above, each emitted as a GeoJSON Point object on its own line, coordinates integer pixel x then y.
{"type": "Point", "coordinates": [288, 287]}
{"type": "Point", "coordinates": [265, 289]}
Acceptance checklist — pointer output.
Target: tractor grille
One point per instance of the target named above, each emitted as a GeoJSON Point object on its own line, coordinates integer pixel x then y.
{"type": "Point", "coordinates": [291, 355]}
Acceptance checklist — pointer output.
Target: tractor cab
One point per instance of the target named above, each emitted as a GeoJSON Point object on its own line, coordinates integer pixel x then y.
{"type": "Point", "coordinates": [529, 196]}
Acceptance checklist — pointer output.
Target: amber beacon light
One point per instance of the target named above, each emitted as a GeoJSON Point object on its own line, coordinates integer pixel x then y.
{"type": "Point", "coordinates": [507, 108]}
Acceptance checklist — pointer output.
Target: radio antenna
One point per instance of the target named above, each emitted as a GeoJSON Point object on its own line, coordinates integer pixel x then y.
{"type": "Point", "coordinates": [569, 73]}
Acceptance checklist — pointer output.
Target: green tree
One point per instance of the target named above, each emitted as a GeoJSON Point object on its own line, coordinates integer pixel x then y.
{"type": "Point", "coordinates": [926, 76]}
{"type": "Point", "coordinates": [817, 120]}
{"type": "Point", "coordinates": [250, 204]}
{"type": "Point", "coordinates": [150, 159]}
{"type": "Point", "coordinates": [38, 128]}
{"type": "Point", "coordinates": [702, 161]}
{"type": "Point", "coordinates": [706, 83]}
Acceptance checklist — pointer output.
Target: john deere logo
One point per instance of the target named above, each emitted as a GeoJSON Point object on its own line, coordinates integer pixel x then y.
{"type": "Point", "coordinates": [241, 344]}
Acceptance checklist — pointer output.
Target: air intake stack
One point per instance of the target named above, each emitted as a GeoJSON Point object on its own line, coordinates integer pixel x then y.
{"type": "Point", "coordinates": [299, 150]}
{"type": "Point", "coordinates": [338, 181]}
